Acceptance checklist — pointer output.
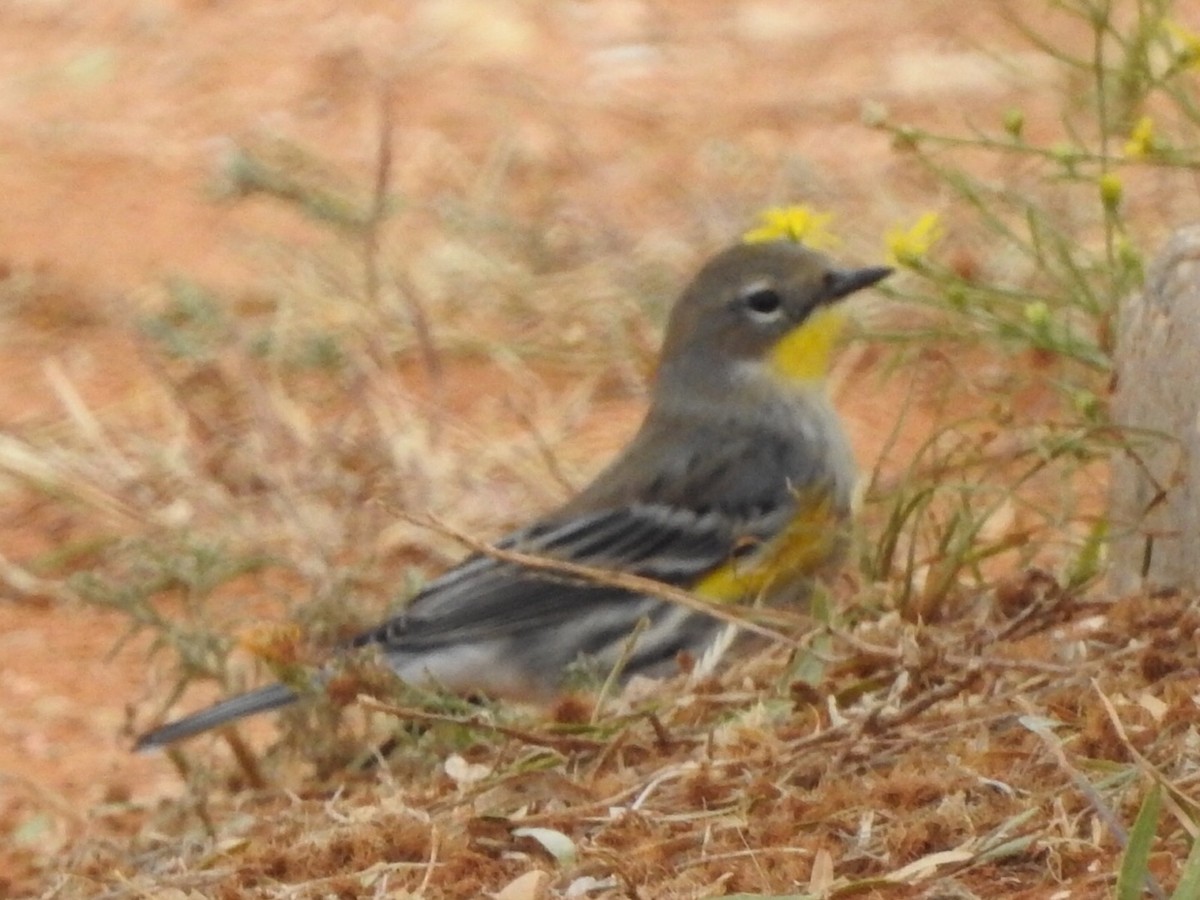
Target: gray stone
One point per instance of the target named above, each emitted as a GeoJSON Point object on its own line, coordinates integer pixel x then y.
{"type": "Point", "coordinates": [1154, 520]}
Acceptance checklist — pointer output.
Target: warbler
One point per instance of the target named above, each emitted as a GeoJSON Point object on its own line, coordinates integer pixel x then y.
{"type": "Point", "coordinates": [736, 487]}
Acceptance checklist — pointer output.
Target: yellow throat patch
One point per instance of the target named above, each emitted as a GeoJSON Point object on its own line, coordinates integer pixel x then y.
{"type": "Point", "coordinates": [803, 353]}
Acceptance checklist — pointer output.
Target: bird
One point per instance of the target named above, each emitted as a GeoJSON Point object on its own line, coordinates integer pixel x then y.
{"type": "Point", "coordinates": [737, 487]}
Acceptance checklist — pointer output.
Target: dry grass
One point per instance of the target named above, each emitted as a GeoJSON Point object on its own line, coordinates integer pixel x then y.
{"type": "Point", "coordinates": [922, 760]}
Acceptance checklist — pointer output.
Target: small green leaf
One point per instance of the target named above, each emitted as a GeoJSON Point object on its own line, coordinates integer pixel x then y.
{"type": "Point", "coordinates": [1134, 872]}
{"type": "Point", "coordinates": [1189, 881]}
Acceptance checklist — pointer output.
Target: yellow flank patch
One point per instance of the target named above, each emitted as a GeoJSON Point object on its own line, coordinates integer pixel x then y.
{"type": "Point", "coordinates": [803, 353]}
{"type": "Point", "coordinates": [795, 554]}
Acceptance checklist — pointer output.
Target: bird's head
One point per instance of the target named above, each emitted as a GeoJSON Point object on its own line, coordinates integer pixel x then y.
{"type": "Point", "coordinates": [767, 307]}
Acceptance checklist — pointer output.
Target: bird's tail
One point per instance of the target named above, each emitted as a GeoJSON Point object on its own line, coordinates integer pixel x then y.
{"type": "Point", "coordinates": [265, 698]}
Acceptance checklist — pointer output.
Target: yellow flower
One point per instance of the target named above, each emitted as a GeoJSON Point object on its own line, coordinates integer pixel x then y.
{"type": "Point", "coordinates": [1086, 404]}
{"type": "Point", "coordinates": [795, 223]}
{"type": "Point", "coordinates": [1129, 257]}
{"type": "Point", "coordinates": [1141, 141]}
{"type": "Point", "coordinates": [1111, 191]}
{"type": "Point", "coordinates": [1014, 122]}
{"type": "Point", "coordinates": [1185, 43]}
{"type": "Point", "coordinates": [1037, 313]}
{"type": "Point", "coordinates": [908, 246]}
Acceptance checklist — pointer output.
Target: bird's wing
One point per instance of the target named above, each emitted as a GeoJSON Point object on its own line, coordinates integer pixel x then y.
{"type": "Point", "coordinates": [485, 597]}
{"type": "Point", "coordinates": [696, 509]}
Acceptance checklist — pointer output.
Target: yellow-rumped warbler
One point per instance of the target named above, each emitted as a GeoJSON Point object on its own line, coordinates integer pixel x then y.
{"type": "Point", "coordinates": [737, 487]}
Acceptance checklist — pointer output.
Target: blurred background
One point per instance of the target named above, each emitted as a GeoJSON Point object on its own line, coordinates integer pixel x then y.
{"type": "Point", "coordinates": [270, 273]}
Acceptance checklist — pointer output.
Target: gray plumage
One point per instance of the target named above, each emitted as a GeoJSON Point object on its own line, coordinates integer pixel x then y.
{"type": "Point", "coordinates": [723, 457]}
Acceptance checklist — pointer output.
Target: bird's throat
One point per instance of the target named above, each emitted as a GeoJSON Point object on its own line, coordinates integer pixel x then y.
{"type": "Point", "coordinates": [803, 354]}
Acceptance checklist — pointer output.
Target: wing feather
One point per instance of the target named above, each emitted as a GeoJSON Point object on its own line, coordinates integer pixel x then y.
{"type": "Point", "coordinates": [488, 598]}
{"type": "Point", "coordinates": [694, 510]}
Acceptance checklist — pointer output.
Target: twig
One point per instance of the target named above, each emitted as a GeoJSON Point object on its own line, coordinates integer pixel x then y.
{"type": "Point", "coordinates": [199, 803]}
{"type": "Point", "coordinates": [1176, 796]}
{"type": "Point", "coordinates": [378, 210]}
{"type": "Point", "coordinates": [626, 581]}
{"type": "Point", "coordinates": [245, 759]}
{"type": "Point", "coordinates": [564, 743]}
{"type": "Point", "coordinates": [50, 797]}
{"type": "Point", "coordinates": [876, 722]}
{"type": "Point", "coordinates": [423, 887]}
{"type": "Point", "coordinates": [1034, 723]}
{"type": "Point", "coordinates": [891, 654]}
{"type": "Point", "coordinates": [26, 586]}
{"type": "Point", "coordinates": [542, 446]}
{"type": "Point", "coordinates": [615, 743]}
{"type": "Point", "coordinates": [612, 680]}
{"type": "Point", "coordinates": [371, 240]}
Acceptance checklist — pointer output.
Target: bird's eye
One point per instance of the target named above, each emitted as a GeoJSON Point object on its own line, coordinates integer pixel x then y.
{"type": "Point", "coordinates": [762, 300]}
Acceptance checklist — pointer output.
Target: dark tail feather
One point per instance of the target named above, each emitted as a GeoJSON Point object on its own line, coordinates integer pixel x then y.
{"type": "Point", "coordinates": [266, 698]}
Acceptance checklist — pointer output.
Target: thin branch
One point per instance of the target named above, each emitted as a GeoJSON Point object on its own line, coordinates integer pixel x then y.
{"type": "Point", "coordinates": [626, 581]}
{"type": "Point", "coordinates": [563, 743]}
